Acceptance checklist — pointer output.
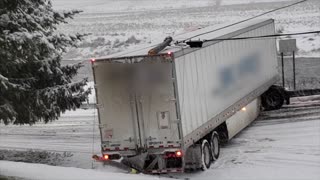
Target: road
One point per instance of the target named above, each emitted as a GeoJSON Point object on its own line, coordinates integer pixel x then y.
{"type": "Point", "coordinates": [282, 144]}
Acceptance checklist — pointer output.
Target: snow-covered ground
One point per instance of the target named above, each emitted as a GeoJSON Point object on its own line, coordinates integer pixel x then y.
{"type": "Point", "coordinates": [45, 172]}
{"type": "Point", "coordinates": [282, 144]}
{"type": "Point", "coordinates": [75, 132]}
{"type": "Point", "coordinates": [128, 24]}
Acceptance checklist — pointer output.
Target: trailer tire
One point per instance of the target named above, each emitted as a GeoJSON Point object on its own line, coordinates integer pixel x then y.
{"type": "Point", "coordinates": [215, 146]}
{"type": "Point", "coordinates": [205, 155]}
{"type": "Point", "coordinates": [272, 99]}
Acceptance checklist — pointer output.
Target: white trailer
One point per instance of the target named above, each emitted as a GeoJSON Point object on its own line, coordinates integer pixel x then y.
{"type": "Point", "coordinates": [169, 111]}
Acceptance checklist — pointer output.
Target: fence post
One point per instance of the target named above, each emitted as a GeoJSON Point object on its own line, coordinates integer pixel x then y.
{"type": "Point", "coordinates": [282, 67]}
{"type": "Point", "coordinates": [294, 70]}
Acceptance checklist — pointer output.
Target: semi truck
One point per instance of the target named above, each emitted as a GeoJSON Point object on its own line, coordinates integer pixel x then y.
{"type": "Point", "coordinates": [168, 107]}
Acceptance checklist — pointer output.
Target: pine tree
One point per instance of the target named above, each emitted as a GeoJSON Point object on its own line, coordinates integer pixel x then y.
{"type": "Point", "coordinates": [34, 86]}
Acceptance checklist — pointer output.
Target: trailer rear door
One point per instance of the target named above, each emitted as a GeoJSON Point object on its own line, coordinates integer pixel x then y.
{"type": "Point", "coordinates": [157, 105]}
{"type": "Point", "coordinates": [115, 101]}
{"type": "Point", "coordinates": [137, 105]}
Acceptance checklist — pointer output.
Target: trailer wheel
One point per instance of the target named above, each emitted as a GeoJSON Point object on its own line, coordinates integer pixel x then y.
{"type": "Point", "coordinates": [272, 99]}
{"type": "Point", "coordinates": [205, 155]}
{"type": "Point", "coordinates": [215, 146]}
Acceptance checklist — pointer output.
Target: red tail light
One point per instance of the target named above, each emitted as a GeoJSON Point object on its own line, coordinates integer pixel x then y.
{"type": "Point", "coordinates": [179, 153]}
{"type": "Point", "coordinates": [106, 156]}
{"type": "Point", "coordinates": [92, 60]}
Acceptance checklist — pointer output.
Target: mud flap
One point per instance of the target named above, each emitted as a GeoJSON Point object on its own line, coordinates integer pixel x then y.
{"type": "Point", "coordinates": [136, 162]}
{"type": "Point", "coordinates": [193, 158]}
{"type": "Point", "coordinates": [116, 164]}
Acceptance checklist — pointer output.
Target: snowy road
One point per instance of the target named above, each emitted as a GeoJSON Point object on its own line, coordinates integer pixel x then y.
{"type": "Point", "coordinates": [73, 132]}
{"type": "Point", "coordinates": [282, 144]}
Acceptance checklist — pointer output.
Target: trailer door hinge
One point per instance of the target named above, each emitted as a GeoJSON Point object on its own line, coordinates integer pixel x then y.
{"type": "Point", "coordinates": [99, 106]}
{"type": "Point", "coordinates": [102, 126]}
{"type": "Point", "coordinates": [176, 121]}
{"type": "Point", "coordinates": [172, 99]}
{"type": "Point", "coordinates": [151, 138]}
{"type": "Point", "coordinates": [130, 139]}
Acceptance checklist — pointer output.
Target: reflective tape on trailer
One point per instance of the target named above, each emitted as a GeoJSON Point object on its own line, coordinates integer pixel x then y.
{"type": "Point", "coordinates": [117, 149]}
{"type": "Point", "coordinates": [162, 146]}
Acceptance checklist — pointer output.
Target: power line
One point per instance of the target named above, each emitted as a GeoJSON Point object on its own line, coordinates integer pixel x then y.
{"type": "Point", "coordinates": [264, 36]}
{"type": "Point", "coordinates": [183, 41]}
{"type": "Point", "coordinates": [283, 7]}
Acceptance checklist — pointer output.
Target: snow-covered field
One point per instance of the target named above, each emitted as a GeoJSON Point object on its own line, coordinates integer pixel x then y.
{"type": "Point", "coordinates": [127, 24]}
{"type": "Point", "coordinates": [103, 6]}
{"type": "Point", "coordinates": [282, 144]}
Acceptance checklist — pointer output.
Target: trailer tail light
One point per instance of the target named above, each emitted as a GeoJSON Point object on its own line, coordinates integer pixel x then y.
{"type": "Point", "coordinates": [179, 153]}
{"type": "Point", "coordinates": [175, 154]}
{"type": "Point", "coordinates": [106, 156]}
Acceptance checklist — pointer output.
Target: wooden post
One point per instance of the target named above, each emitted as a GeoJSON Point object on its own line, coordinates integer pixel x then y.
{"type": "Point", "coordinates": [282, 67]}
{"type": "Point", "coordinates": [294, 70]}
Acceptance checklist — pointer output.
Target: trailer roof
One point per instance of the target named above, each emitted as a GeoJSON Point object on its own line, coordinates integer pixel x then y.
{"type": "Point", "coordinates": [215, 32]}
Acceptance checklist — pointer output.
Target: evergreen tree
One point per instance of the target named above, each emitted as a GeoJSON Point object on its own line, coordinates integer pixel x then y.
{"type": "Point", "coordinates": [34, 86]}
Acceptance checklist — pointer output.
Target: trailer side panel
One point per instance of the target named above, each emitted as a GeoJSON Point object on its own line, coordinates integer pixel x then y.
{"type": "Point", "coordinates": [215, 77]}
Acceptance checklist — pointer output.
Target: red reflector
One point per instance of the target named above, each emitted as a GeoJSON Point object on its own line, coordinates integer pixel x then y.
{"type": "Point", "coordinates": [161, 146]}
{"type": "Point", "coordinates": [106, 156]}
{"type": "Point", "coordinates": [178, 153]}
{"type": "Point", "coordinates": [126, 148]}
{"type": "Point", "coordinates": [151, 146]}
{"type": "Point", "coordinates": [117, 148]}
{"type": "Point", "coordinates": [171, 146]}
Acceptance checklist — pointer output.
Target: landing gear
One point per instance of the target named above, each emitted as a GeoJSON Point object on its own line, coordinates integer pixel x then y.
{"type": "Point", "coordinates": [205, 155]}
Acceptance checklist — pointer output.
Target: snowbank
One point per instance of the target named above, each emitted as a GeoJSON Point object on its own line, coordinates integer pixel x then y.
{"type": "Point", "coordinates": [46, 172]}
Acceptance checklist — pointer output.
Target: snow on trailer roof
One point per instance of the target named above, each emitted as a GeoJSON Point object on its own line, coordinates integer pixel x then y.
{"type": "Point", "coordinates": [215, 32]}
